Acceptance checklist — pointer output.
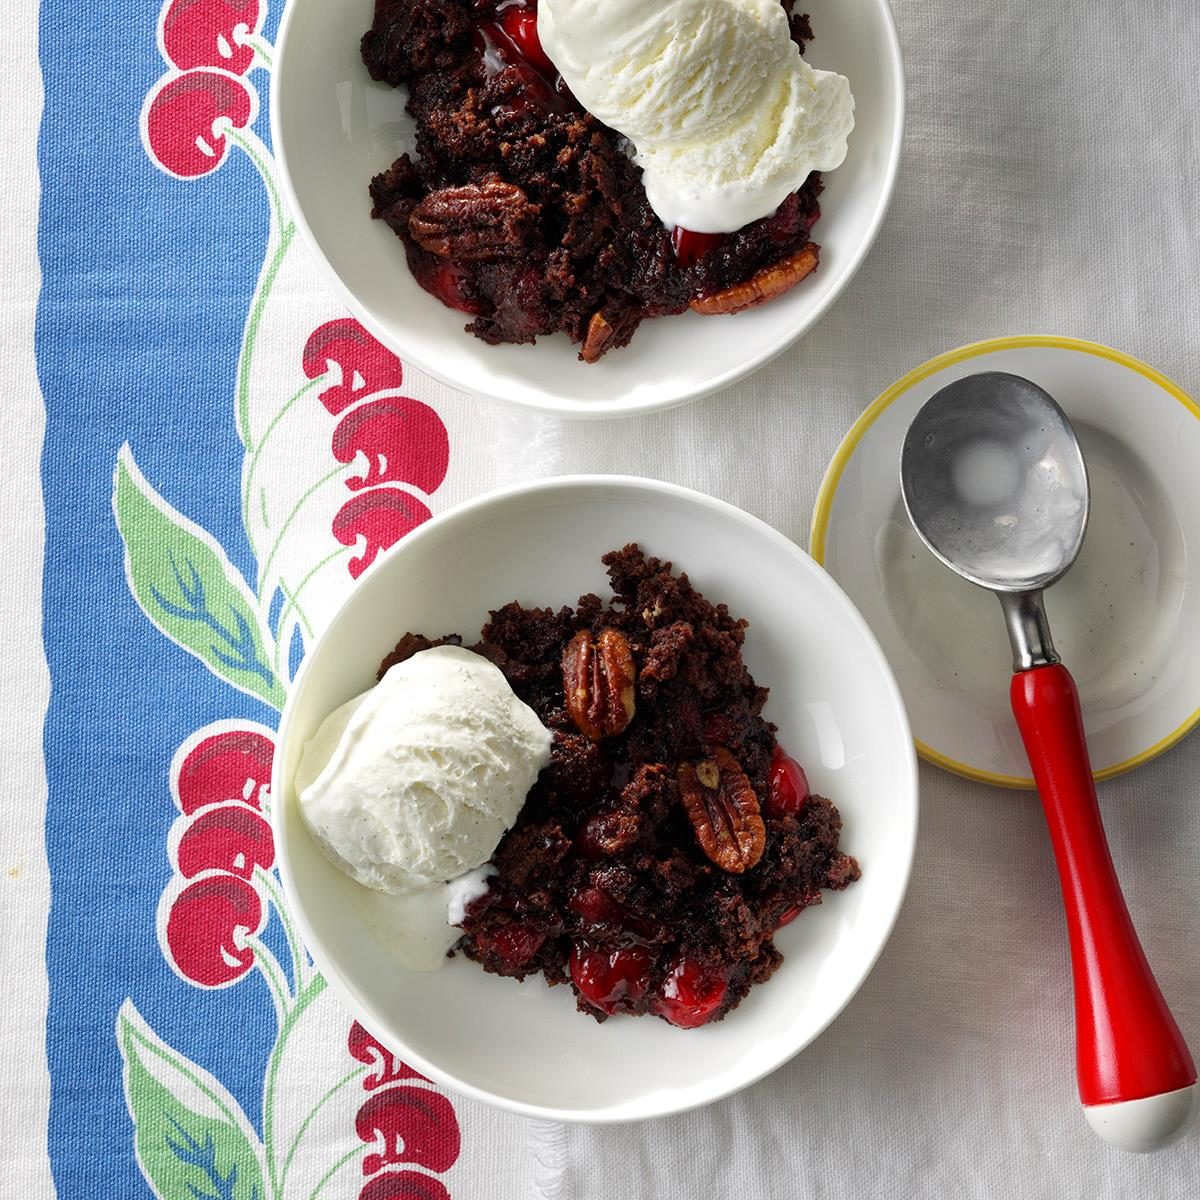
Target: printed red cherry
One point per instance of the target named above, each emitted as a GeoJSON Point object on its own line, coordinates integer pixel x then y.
{"type": "Point", "coordinates": [376, 520]}
{"type": "Point", "coordinates": [404, 1185]}
{"type": "Point", "coordinates": [520, 23]}
{"type": "Point", "coordinates": [186, 117]}
{"type": "Point", "coordinates": [596, 907]}
{"type": "Point", "coordinates": [408, 1124]}
{"type": "Point", "coordinates": [363, 364]}
{"type": "Point", "coordinates": [514, 944]}
{"type": "Point", "coordinates": [225, 837]}
{"type": "Point", "coordinates": [401, 439]}
{"type": "Point", "coordinates": [220, 762]}
{"type": "Point", "coordinates": [206, 924]}
{"type": "Point", "coordinates": [689, 245]}
{"type": "Point", "coordinates": [605, 978]}
{"type": "Point", "coordinates": [788, 789]}
{"type": "Point", "coordinates": [385, 1066]}
{"type": "Point", "coordinates": [207, 33]}
{"type": "Point", "coordinates": [691, 994]}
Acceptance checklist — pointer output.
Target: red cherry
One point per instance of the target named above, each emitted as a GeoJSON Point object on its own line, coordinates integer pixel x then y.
{"type": "Point", "coordinates": [400, 439]}
{"type": "Point", "coordinates": [691, 994]}
{"type": "Point", "coordinates": [596, 907]}
{"type": "Point", "coordinates": [204, 33]}
{"type": "Point", "coordinates": [719, 729]}
{"type": "Point", "coordinates": [587, 840]}
{"type": "Point", "coordinates": [788, 785]}
{"type": "Point", "coordinates": [514, 944]}
{"type": "Point", "coordinates": [606, 978]}
{"type": "Point", "coordinates": [689, 246]}
{"type": "Point", "coordinates": [788, 916]}
{"type": "Point", "coordinates": [407, 1124]}
{"type": "Point", "coordinates": [403, 1185]}
{"type": "Point", "coordinates": [502, 50]}
{"type": "Point", "coordinates": [520, 24]}
{"type": "Point", "coordinates": [186, 115]}
{"type": "Point", "coordinates": [374, 520]}
{"type": "Point", "coordinates": [446, 283]}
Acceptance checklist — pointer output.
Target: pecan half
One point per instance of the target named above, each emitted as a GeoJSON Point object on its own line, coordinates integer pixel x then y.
{"type": "Point", "coordinates": [476, 222]}
{"type": "Point", "coordinates": [598, 681]}
{"type": "Point", "coordinates": [764, 285]}
{"type": "Point", "coordinates": [723, 810]}
{"type": "Point", "coordinates": [599, 334]}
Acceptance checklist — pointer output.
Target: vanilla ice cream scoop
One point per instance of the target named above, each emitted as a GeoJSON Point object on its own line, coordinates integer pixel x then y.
{"type": "Point", "coordinates": [414, 782]}
{"type": "Point", "coordinates": [726, 117]}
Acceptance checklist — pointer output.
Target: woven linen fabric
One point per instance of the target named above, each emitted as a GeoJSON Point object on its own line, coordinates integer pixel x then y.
{"type": "Point", "coordinates": [225, 450]}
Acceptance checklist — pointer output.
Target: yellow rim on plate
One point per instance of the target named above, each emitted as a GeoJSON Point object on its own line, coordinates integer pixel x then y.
{"type": "Point", "coordinates": [837, 465]}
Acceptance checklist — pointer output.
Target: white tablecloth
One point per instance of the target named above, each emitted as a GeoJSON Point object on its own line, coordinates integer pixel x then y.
{"type": "Point", "coordinates": [1049, 184]}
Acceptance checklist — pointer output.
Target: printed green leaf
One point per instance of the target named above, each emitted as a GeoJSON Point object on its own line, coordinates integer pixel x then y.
{"type": "Point", "coordinates": [192, 1140]}
{"type": "Point", "coordinates": [187, 586]}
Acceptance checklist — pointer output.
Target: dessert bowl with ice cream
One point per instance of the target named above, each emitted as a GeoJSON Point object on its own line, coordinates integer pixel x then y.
{"type": "Point", "coordinates": [644, 845]}
{"type": "Point", "coordinates": [564, 173]}
{"type": "Point", "coordinates": [598, 793]}
{"type": "Point", "coordinates": [582, 167]}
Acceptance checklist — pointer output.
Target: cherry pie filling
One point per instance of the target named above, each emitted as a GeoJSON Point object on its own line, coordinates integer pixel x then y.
{"type": "Point", "coordinates": [577, 247]}
{"type": "Point", "coordinates": [607, 883]}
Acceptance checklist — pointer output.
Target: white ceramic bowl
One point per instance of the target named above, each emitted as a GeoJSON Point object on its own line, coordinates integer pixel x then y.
{"type": "Point", "coordinates": [523, 1046]}
{"type": "Point", "coordinates": [333, 129]}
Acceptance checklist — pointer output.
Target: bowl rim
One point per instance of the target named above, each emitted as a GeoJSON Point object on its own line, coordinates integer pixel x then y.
{"type": "Point", "coordinates": [624, 1110]}
{"type": "Point", "coordinates": [827, 493]}
{"type": "Point", "coordinates": [410, 350]}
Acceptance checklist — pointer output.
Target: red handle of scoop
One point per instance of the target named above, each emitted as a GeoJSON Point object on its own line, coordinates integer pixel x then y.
{"type": "Point", "coordinates": [1127, 1045]}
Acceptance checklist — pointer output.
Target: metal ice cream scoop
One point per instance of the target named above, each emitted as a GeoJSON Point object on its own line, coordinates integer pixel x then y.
{"type": "Point", "coordinates": [995, 484]}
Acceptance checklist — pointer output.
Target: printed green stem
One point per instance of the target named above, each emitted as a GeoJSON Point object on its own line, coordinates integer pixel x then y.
{"type": "Point", "coordinates": [272, 972]}
{"type": "Point", "coordinates": [337, 1166]}
{"type": "Point", "coordinates": [263, 50]}
{"type": "Point", "coordinates": [267, 880]}
{"type": "Point", "coordinates": [351, 1077]}
{"type": "Point", "coordinates": [265, 570]}
{"type": "Point", "coordinates": [260, 158]}
{"type": "Point", "coordinates": [301, 616]}
{"type": "Point", "coordinates": [282, 232]}
{"type": "Point", "coordinates": [311, 991]}
{"type": "Point", "coordinates": [293, 603]}
{"type": "Point", "coordinates": [254, 457]}
{"type": "Point", "coordinates": [265, 283]}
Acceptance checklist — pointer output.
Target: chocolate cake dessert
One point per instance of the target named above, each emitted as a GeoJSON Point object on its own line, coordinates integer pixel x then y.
{"type": "Point", "coordinates": [670, 836]}
{"type": "Point", "coordinates": [523, 210]}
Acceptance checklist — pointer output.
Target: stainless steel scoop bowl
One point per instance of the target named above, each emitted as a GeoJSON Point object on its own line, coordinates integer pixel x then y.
{"type": "Point", "coordinates": [995, 484]}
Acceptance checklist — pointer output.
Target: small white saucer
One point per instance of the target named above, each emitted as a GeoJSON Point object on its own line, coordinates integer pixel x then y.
{"type": "Point", "coordinates": [1126, 618]}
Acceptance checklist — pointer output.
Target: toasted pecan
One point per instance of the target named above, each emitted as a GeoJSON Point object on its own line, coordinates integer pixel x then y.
{"type": "Point", "coordinates": [724, 811]}
{"type": "Point", "coordinates": [598, 683]}
{"type": "Point", "coordinates": [762, 286]}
